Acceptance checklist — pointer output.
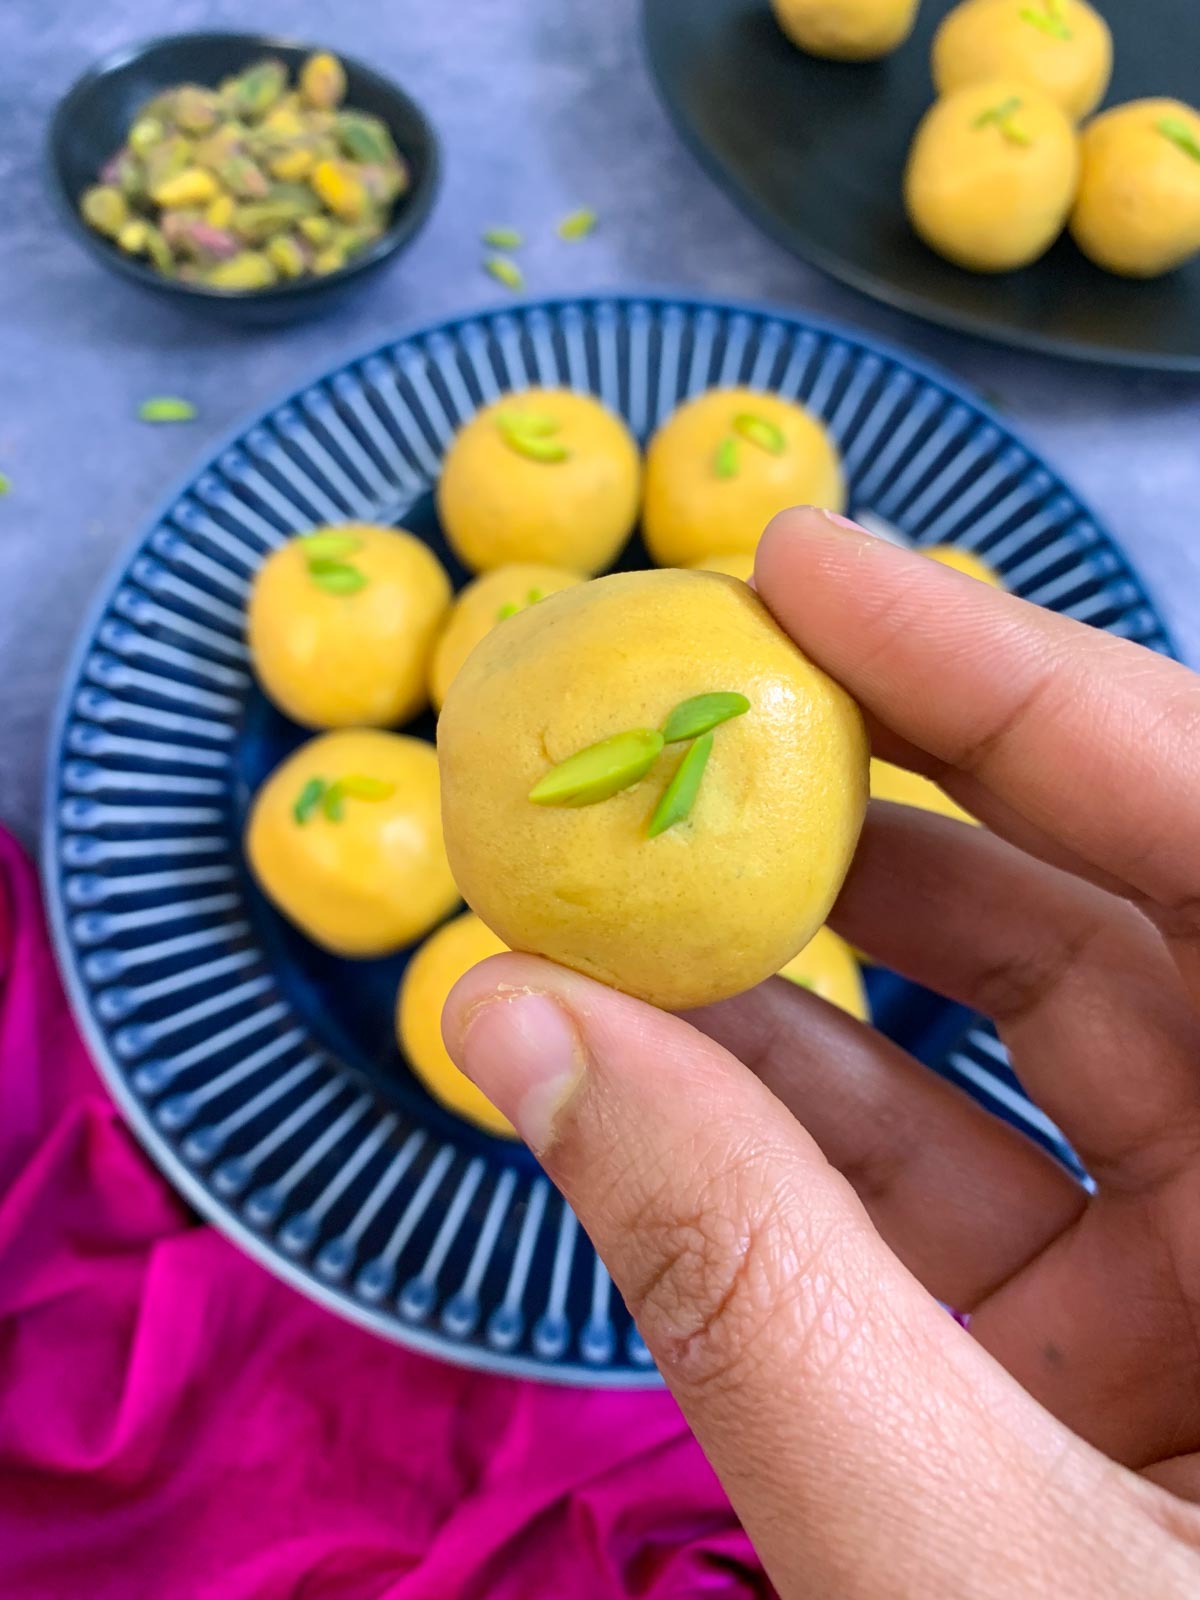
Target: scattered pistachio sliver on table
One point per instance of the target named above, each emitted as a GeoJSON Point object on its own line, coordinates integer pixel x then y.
{"type": "Point", "coordinates": [577, 224]}
{"type": "Point", "coordinates": [505, 271]}
{"type": "Point", "coordinates": [250, 184]}
{"type": "Point", "coordinates": [166, 408]}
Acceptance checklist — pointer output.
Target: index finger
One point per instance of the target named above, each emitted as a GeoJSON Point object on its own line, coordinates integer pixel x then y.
{"type": "Point", "coordinates": [1093, 740]}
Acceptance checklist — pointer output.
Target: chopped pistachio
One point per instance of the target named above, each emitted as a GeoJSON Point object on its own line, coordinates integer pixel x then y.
{"type": "Point", "coordinates": [308, 800]}
{"type": "Point", "coordinates": [502, 238]}
{"type": "Point", "coordinates": [758, 431]}
{"type": "Point", "coordinates": [702, 713]}
{"type": "Point", "coordinates": [725, 460]}
{"type": "Point", "coordinates": [249, 269]}
{"type": "Point", "coordinates": [323, 81]}
{"type": "Point", "coordinates": [1180, 135]}
{"type": "Point", "coordinates": [329, 544]}
{"type": "Point", "coordinates": [577, 224]}
{"type": "Point", "coordinates": [599, 771]}
{"type": "Point", "coordinates": [361, 787]}
{"type": "Point", "coordinates": [336, 577]}
{"type": "Point", "coordinates": [679, 796]}
{"type": "Point", "coordinates": [166, 408]}
{"type": "Point", "coordinates": [504, 271]}
{"type": "Point", "coordinates": [105, 209]}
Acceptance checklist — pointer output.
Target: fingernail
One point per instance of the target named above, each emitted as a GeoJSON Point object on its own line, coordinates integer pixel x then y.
{"type": "Point", "coordinates": [842, 522]}
{"type": "Point", "coordinates": [523, 1051]}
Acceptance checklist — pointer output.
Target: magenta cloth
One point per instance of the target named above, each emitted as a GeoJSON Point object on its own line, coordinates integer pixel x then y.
{"type": "Point", "coordinates": [176, 1424]}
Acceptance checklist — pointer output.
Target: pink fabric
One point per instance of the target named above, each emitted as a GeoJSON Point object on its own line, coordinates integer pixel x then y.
{"type": "Point", "coordinates": [175, 1424]}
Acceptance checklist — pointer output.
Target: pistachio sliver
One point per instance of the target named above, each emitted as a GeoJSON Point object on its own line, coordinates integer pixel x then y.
{"type": "Point", "coordinates": [1049, 21]}
{"type": "Point", "coordinates": [308, 800]}
{"type": "Point", "coordinates": [360, 786]}
{"type": "Point", "coordinates": [577, 224]}
{"type": "Point", "coordinates": [702, 713]}
{"type": "Point", "coordinates": [505, 271]}
{"type": "Point", "coordinates": [725, 460]}
{"type": "Point", "coordinates": [758, 431]}
{"type": "Point", "coordinates": [599, 771]}
{"type": "Point", "coordinates": [679, 796]}
{"type": "Point", "coordinates": [334, 802]}
{"type": "Point", "coordinates": [509, 609]}
{"type": "Point", "coordinates": [536, 446]}
{"type": "Point", "coordinates": [502, 238]}
{"type": "Point", "coordinates": [166, 408]}
{"type": "Point", "coordinates": [335, 577]}
{"type": "Point", "coordinates": [534, 424]}
{"type": "Point", "coordinates": [1180, 135]}
{"type": "Point", "coordinates": [329, 546]}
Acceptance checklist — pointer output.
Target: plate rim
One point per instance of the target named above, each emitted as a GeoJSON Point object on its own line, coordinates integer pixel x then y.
{"type": "Point", "coordinates": [136, 1117]}
{"type": "Point", "coordinates": [901, 300]}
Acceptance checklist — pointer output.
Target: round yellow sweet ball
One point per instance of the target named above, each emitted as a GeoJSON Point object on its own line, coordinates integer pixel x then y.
{"type": "Point", "coordinates": [1061, 47]}
{"type": "Point", "coordinates": [721, 466]}
{"type": "Point", "coordinates": [680, 872]}
{"type": "Point", "coordinates": [341, 624]}
{"type": "Point", "coordinates": [964, 561]}
{"type": "Point", "coordinates": [488, 600]}
{"type": "Point", "coordinates": [345, 838]}
{"type": "Point", "coordinates": [1138, 208]}
{"type": "Point", "coordinates": [906, 788]}
{"type": "Point", "coordinates": [546, 475]}
{"type": "Point", "coordinates": [428, 979]}
{"type": "Point", "coordinates": [991, 175]}
{"type": "Point", "coordinates": [846, 30]}
{"type": "Point", "coordinates": [733, 563]}
{"type": "Point", "coordinates": [827, 966]}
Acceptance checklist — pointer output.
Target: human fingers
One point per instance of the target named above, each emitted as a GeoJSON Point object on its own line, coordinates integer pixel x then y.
{"type": "Point", "coordinates": [836, 1401]}
{"type": "Point", "coordinates": [1095, 741]}
{"type": "Point", "coordinates": [963, 1199]}
{"type": "Point", "coordinates": [1080, 985]}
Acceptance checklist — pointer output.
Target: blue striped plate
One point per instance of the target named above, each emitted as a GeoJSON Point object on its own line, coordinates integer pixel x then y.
{"type": "Point", "coordinates": [260, 1073]}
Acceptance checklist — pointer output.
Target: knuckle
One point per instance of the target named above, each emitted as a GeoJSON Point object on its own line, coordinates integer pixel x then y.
{"type": "Point", "coordinates": [715, 1278]}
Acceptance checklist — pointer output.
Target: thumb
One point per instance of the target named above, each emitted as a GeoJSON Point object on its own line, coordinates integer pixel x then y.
{"type": "Point", "coordinates": [867, 1444]}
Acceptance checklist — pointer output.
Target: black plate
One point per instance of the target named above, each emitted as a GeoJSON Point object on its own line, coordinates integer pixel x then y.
{"type": "Point", "coordinates": [814, 152]}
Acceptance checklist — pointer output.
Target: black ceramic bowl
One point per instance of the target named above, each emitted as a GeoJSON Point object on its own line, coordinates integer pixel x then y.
{"type": "Point", "coordinates": [95, 115]}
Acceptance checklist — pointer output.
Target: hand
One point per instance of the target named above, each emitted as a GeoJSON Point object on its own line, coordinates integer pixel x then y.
{"type": "Point", "coordinates": [780, 1232]}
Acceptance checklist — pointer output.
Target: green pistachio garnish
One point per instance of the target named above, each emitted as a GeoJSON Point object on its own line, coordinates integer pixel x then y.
{"type": "Point", "coordinates": [577, 224]}
{"type": "Point", "coordinates": [336, 577]}
{"type": "Point", "coordinates": [759, 432]}
{"type": "Point", "coordinates": [1049, 19]}
{"type": "Point", "coordinates": [511, 607]}
{"type": "Point", "coordinates": [331, 546]}
{"type": "Point", "coordinates": [323, 555]}
{"type": "Point", "coordinates": [599, 771]}
{"type": "Point", "coordinates": [308, 800]}
{"type": "Point", "coordinates": [679, 796]}
{"type": "Point", "coordinates": [505, 271]}
{"type": "Point", "coordinates": [531, 434]}
{"type": "Point", "coordinates": [502, 238]}
{"type": "Point", "coordinates": [702, 713]}
{"type": "Point", "coordinates": [725, 461]}
{"type": "Point", "coordinates": [166, 408]}
{"type": "Point", "coordinates": [361, 787]}
{"type": "Point", "coordinates": [1001, 116]}
{"type": "Point", "coordinates": [1180, 135]}
{"type": "Point", "coordinates": [332, 797]}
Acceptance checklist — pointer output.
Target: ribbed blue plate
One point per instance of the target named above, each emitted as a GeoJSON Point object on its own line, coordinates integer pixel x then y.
{"type": "Point", "coordinates": [261, 1074]}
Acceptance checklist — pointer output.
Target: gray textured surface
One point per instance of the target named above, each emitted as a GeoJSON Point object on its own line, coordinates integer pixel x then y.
{"type": "Point", "coordinates": [543, 105]}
